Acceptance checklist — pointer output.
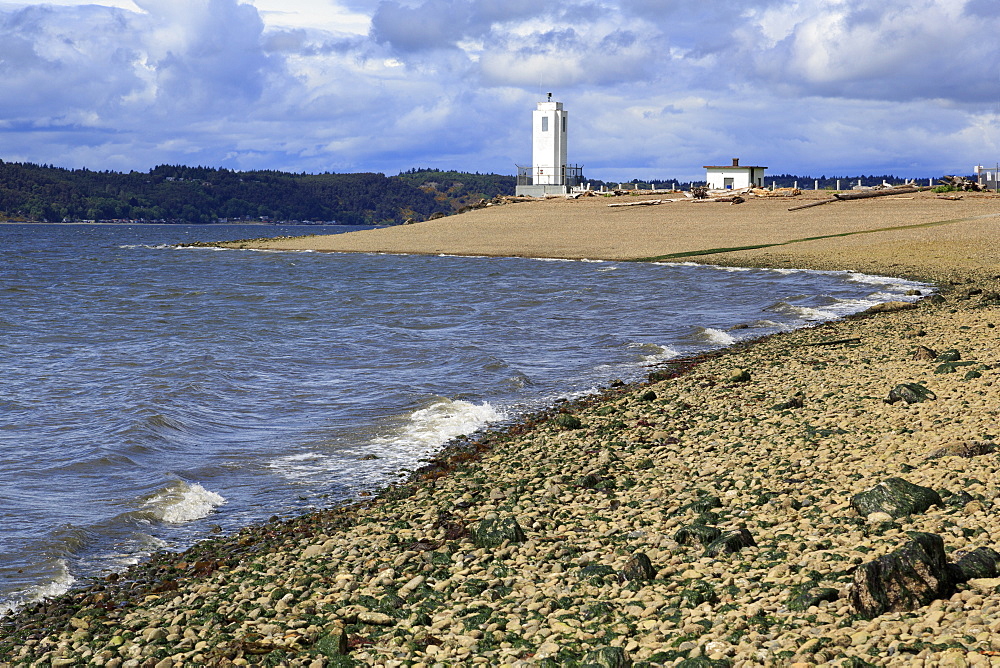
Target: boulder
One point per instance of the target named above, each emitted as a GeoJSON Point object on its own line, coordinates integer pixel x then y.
{"type": "Point", "coordinates": [729, 543]}
{"type": "Point", "coordinates": [891, 307]}
{"type": "Point", "coordinates": [606, 657]}
{"type": "Point", "coordinates": [924, 354]}
{"type": "Point", "coordinates": [794, 400]}
{"type": "Point", "coordinates": [895, 496]}
{"type": "Point", "coordinates": [906, 579]}
{"type": "Point", "coordinates": [739, 376]}
{"type": "Point", "coordinates": [982, 562]}
{"type": "Point", "coordinates": [967, 449]}
{"type": "Point", "coordinates": [638, 568]}
{"type": "Point", "coordinates": [567, 422]}
{"type": "Point", "coordinates": [911, 393]}
{"type": "Point", "coordinates": [492, 532]}
{"type": "Point", "coordinates": [697, 534]}
{"type": "Point", "coordinates": [805, 597]}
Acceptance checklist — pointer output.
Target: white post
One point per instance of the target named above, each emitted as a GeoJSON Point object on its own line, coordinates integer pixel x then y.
{"type": "Point", "coordinates": [796, 186]}
{"type": "Point", "coordinates": [816, 184]}
{"type": "Point", "coordinates": [838, 184]}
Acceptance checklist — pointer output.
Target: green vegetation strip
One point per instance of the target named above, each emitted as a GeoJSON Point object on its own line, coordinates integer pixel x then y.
{"type": "Point", "coordinates": [733, 249]}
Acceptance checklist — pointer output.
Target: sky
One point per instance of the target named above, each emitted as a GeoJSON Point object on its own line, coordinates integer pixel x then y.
{"type": "Point", "coordinates": [653, 88]}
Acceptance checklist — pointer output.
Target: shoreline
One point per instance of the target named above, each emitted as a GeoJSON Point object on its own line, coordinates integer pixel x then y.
{"type": "Point", "coordinates": [410, 578]}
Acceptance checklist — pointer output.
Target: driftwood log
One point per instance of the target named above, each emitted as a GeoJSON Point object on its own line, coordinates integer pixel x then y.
{"type": "Point", "coordinates": [645, 202]}
{"type": "Point", "coordinates": [863, 194]}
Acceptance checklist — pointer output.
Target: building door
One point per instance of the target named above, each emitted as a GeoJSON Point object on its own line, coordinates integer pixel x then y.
{"type": "Point", "coordinates": [727, 184]}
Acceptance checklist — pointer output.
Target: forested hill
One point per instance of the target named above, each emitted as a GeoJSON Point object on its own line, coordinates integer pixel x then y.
{"type": "Point", "coordinates": [173, 193]}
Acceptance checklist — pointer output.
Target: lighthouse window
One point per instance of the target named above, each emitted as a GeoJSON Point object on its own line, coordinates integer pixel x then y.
{"type": "Point", "coordinates": [545, 123]}
{"type": "Point", "coordinates": [564, 124]}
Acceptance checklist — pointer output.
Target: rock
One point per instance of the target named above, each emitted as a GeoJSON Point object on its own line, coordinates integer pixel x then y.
{"type": "Point", "coordinates": [567, 422]}
{"type": "Point", "coordinates": [493, 532]}
{"type": "Point", "coordinates": [924, 354]}
{"type": "Point", "coordinates": [967, 449]}
{"type": "Point", "coordinates": [906, 579]}
{"type": "Point", "coordinates": [702, 505]}
{"type": "Point", "coordinates": [375, 618]}
{"type": "Point", "coordinates": [648, 395]}
{"type": "Point", "coordinates": [895, 496]}
{"type": "Point", "coordinates": [959, 499]}
{"type": "Point", "coordinates": [805, 597]}
{"type": "Point", "coordinates": [332, 644]}
{"type": "Point", "coordinates": [598, 571]}
{"type": "Point", "coordinates": [697, 534]}
{"type": "Point", "coordinates": [795, 400]}
{"type": "Point", "coordinates": [878, 517]}
{"type": "Point", "coordinates": [911, 393]}
{"type": "Point", "coordinates": [739, 376]}
{"type": "Point", "coordinates": [951, 355]}
{"type": "Point", "coordinates": [982, 562]}
{"type": "Point", "coordinates": [729, 543]}
{"type": "Point", "coordinates": [594, 481]}
{"type": "Point", "coordinates": [951, 367]}
{"type": "Point", "coordinates": [638, 567]}
{"type": "Point", "coordinates": [606, 657]}
{"type": "Point", "coordinates": [891, 307]}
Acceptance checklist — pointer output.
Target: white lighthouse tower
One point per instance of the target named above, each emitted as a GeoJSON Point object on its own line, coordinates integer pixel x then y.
{"type": "Point", "coordinates": [549, 173]}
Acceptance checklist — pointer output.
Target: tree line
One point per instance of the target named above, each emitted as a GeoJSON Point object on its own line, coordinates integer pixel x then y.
{"type": "Point", "coordinates": [181, 194]}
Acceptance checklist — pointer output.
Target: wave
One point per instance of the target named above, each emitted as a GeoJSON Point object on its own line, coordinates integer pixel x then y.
{"type": "Point", "coordinates": [715, 337]}
{"type": "Point", "coordinates": [421, 433]}
{"type": "Point", "coordinates": [59, 584]}
{"type": "Point", "coordinates": [439, 423]}
{"type": "Point", "coordinates": [654, 352]}
{"type": "Point", "coordinates": [181, 502]}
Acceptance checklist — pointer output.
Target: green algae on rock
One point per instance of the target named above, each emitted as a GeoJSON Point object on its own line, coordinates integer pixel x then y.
{"type": "Point", "coordinates": [896, 497]}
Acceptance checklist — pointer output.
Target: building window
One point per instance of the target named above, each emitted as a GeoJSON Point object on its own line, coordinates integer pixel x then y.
{"type": "Point", "coordinates": [564, 123]}
{"type": "Point", "coordinates": [545, 123]}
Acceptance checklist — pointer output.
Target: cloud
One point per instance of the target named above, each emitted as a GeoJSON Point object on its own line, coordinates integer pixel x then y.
{"type": "Point", "coordinates": [653, 87]}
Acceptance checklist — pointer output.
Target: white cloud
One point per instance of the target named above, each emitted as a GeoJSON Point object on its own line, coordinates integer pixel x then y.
{"type": "Point", "coordinates": [654, 87]}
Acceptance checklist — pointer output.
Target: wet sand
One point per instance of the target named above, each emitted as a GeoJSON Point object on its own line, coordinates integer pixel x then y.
{"type": "Point", "coordinates": [607, 506]}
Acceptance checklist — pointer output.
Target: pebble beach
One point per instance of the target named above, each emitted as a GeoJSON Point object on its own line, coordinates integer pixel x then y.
{"type": "Point", "coordinates": [708, 516]}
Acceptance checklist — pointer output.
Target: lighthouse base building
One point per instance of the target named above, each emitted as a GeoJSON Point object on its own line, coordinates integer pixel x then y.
{"type": "Point", "coordinates": [549, 173]}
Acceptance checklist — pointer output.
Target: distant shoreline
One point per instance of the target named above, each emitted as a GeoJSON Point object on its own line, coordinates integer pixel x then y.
{"type": "Point", "coordinates": [918, 236]}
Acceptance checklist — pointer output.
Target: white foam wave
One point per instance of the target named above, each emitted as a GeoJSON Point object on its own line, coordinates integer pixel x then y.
{"type": "Point", "coordinates": [59, 584]}
{"type": "Point", "coordinates": [654, 352]}
{"type": "Point", "coordinates": [811, 314]}
{"type": "Point", "coordinates": [182, 502]}
{"type": "Point", "coordinates": [422, 433]}
{"type": "Point", "coordinates": [440, 422]}
{"type": "Point", "coordinates": [717, 337]}
{"type": "Point", "coordinates": [868, 279]}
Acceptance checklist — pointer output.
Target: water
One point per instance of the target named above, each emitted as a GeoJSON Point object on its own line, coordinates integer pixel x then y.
{"type": "Point", "coordinates": [150, 394]}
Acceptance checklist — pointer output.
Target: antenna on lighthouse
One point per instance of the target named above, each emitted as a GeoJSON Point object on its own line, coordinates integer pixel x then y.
{"type": "Point", "coordinates": [550, 97]}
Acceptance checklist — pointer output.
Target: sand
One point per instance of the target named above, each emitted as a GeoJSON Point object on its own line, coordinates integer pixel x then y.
{"type": "Point", "coordinates": [615, 497]}
{"type": "Point", "coordinates": [915, 234]}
